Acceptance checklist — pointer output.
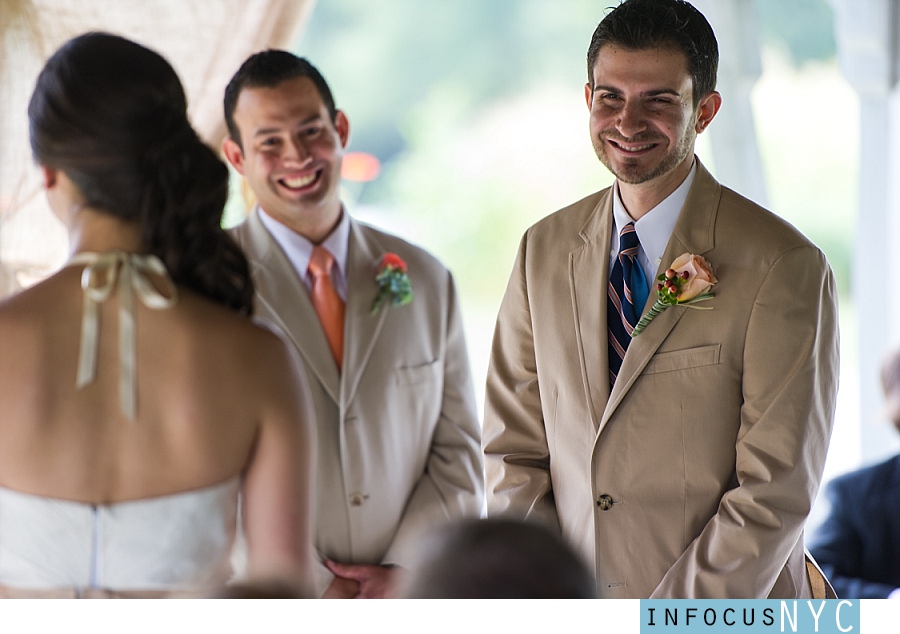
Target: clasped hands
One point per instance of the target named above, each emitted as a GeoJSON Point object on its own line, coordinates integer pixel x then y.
{"type": "Point", "coordinates": [361, 581]}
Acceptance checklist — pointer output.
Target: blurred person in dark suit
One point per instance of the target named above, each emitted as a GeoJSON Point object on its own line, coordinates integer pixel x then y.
{"type": "Point", "coordinates": [857, 544]}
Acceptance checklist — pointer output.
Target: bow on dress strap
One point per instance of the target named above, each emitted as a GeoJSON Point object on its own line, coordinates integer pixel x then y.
{"type": "Point", "coordinates": [98, 280]}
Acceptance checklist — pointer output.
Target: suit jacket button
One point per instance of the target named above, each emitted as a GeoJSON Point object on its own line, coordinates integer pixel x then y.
{"type": "Point", "coordinates": [605, 502]}
{"type": "Point", "coordinates": [356, 499]}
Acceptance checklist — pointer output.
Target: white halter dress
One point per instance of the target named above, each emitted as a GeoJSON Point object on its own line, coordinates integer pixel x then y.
{"type": "Point", "coordinates": [175, 543]}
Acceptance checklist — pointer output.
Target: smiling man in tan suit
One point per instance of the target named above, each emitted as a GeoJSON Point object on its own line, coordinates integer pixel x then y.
{"type": "Point", "coordinates": [682, 462]}
{"type": "Point", "coordinates": [398, 434]}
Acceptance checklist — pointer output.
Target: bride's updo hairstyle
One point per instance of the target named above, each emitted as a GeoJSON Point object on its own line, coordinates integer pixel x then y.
{"type": "Point", "coordinates": [112, 115]}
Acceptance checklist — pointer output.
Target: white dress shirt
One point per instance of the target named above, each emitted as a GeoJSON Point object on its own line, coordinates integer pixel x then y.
{"type": "Point", "coordinates": [299, 249]}
{"type": "Point", "coordinates": [653, 229]}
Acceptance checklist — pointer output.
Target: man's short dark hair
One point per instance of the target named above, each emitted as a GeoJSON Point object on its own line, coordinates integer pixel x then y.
{"type": "Point", "coordinates": [266, 70]}
{"type": "Point", "coordinates": [673, 24]}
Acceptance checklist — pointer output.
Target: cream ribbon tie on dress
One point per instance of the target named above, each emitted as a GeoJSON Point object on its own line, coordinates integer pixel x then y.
{"type": "Point", "coordinates": [98, 280]}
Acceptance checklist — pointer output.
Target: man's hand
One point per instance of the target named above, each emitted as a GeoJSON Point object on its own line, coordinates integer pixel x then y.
{"type": "Point", "coordinates": [374, 582]}
{"type": "Point", "coordinates": [341, 588]}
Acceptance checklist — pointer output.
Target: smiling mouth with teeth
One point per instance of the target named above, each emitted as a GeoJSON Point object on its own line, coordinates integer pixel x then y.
{"type": "Point", "coordinates": [639, 148]}
{"type": "Point", "coordinates": [298, 182]}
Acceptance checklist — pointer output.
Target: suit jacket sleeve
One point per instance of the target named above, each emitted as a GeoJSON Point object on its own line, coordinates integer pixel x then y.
{"type": "Point", "coordinates": [452, 485]}
{"type": "Point", "coordinates": [516, 453]}
{"type": "Point", "coordinates": [838, 545]}
{"type": "Point", "coordinates": [789, 385]}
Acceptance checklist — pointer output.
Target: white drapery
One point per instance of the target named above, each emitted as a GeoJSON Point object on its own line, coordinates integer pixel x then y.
{"type": "Point", "coordinates": [204, 40]}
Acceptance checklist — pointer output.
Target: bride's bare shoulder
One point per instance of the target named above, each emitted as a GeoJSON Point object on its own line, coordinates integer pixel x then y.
{"type": "Point", "coordinates": [45, 300]}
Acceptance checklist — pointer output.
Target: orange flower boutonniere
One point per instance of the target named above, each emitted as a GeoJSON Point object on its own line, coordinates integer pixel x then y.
{"type": "Point", "coordinates": [393, 282]}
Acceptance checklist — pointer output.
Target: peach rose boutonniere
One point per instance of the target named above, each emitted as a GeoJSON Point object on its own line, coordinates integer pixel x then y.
{"type": "Point", "coordinates": [685, 283]}
{"type": "Point", "coordinates": [393, 282]}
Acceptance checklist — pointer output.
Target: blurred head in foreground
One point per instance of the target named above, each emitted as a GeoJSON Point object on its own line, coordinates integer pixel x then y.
{"type": "Point", "coordinates": [497, 559]}
{"type": "Point", "coordinates": [262, 589]}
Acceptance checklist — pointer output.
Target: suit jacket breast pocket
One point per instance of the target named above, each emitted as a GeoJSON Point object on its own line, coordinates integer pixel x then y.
{"type": "Point", "coordinates": [418, 374]}
{"type": "Point", "coordinates": [683, 359]}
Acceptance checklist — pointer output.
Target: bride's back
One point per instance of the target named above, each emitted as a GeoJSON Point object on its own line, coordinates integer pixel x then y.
{"type": "Point", "coordinates": [201, 374]}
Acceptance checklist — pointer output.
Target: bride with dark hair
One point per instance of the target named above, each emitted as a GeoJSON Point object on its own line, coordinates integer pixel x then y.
{"type": "Point", "coordinates": [137, 399]}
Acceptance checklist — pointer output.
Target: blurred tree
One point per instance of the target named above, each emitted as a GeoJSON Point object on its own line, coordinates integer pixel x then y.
{"type": "Point", "coordinates": [804, 27]}
{"type": "Point", "coordinates": [383, 59]}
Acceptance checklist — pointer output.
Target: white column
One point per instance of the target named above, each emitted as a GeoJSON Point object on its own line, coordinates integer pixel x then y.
{"type": "Point", "coordinates": [733, 134]}
{"type": "Point", "coordinates": [867, 34]}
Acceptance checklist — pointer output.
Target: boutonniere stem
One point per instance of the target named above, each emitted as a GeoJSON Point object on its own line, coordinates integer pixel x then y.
{"type": "Point", "coordinates": [685, 283]}
{"type": "Point", "coordinates": [393, 282]}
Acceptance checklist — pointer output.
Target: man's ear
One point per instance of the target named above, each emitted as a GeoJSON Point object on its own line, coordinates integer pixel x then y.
{"type": "Point", "coordinates": [50, 176]}
{"type": "Point", "coordinates": [588, 93]}
{"type": "Point", "coordinates": [342, 125]}
{"type": "Point", "coordinates": [234, 154]}
{"type": "Point", "coordinates": [707, 109]}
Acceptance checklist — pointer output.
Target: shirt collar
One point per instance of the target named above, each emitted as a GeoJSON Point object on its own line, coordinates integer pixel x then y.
{"type": "Point", "coordinates": [656, 226]}
{"type": "Point", "coordinates": [298, 249]}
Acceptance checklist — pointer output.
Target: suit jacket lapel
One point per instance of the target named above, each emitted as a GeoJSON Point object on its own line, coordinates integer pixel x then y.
{"type": "Point", "coordinates": [588, 268]}
{"type": "Point", "coordinates": [694, 233]}
{"type": "Point", "coordinates": [285, 299]}
{"type": "Point", "coordinates": [361, 327]}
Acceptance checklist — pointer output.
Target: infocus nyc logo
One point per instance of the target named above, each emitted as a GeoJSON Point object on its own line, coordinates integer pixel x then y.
{"type": "Point", "coordinates": [836, 616]}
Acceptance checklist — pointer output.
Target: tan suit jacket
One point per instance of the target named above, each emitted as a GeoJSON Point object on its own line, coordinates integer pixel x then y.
{"type": "Point", "coordinates": [712, 443]}
{"type": "Point", "coordinates": [398, 433]}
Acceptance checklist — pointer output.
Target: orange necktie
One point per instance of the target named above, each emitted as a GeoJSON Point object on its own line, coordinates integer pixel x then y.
{"type": "Point", "coordinates": [328, 304]}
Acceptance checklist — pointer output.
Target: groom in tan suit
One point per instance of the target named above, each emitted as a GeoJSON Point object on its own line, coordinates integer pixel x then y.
{"type": "Point", "coordinates": [398, 434]}
{"type": "Point", "coordinates": [682, 462]}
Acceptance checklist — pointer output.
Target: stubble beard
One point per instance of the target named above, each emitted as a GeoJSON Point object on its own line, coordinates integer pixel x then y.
{"type": "Point", "coordinates": [631, 171]}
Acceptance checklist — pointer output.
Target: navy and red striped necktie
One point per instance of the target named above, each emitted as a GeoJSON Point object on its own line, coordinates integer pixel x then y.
{"type": "Point", "coordinates": [626, 295]}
